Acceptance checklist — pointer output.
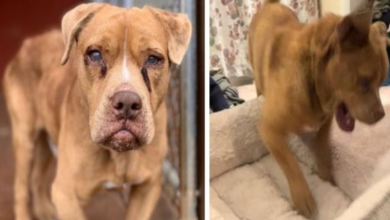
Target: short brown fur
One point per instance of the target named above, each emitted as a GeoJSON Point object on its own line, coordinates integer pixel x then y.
{"type": "Point", "coordinates": [304, 73]}
{"type": "Point", "coordinates": [71, 104]}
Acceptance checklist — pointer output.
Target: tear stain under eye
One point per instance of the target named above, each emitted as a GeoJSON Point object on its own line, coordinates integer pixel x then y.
{"type": "Point", "coordinates": [103, 69]}
{"type": "Point", "coordinates": [103, 66]}
{"type": "Point", "coordinates": [144, 73]}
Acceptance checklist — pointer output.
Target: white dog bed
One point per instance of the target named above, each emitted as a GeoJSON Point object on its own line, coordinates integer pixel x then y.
{"type": "Point", "coordinates": [246, 182]}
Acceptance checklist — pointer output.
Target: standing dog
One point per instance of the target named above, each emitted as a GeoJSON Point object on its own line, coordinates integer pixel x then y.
{"type": "Point", "coordinates": [310, 73]}
{"type": "Point", "coordinates": [104, 109]}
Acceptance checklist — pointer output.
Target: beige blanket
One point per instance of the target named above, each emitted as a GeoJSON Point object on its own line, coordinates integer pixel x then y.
{"type": "Point", "coordinates": [246, 182]}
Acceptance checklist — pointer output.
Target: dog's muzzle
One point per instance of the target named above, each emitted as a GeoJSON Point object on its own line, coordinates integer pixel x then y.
{"type": "Point", "coordinates": [125, 124]}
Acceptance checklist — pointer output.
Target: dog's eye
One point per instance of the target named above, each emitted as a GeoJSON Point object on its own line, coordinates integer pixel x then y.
{"type": "Point", "coordinates": [95, 56]}
{"type": "Point", "coordinates": [153, 60]}
{"type": "Point", "coordinates": [365, 84]}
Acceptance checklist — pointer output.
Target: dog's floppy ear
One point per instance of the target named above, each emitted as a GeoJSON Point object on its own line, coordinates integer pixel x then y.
{"type": "Point", "coordinates": [73, 22]}
{"type": "Point", "coordinates": [355, 28]}
{"type": "Point", "coordinates": [179, 31]}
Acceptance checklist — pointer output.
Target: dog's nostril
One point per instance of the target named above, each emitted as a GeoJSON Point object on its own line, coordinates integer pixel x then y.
{"type": "Point", "coordinates": [126, 104]}
{"type": "Point", "coordinates": [136, 106]}
{"type": "Point", "coordinates": [380, 114]}
{"type": "Point", "coordinates": [119, 106]}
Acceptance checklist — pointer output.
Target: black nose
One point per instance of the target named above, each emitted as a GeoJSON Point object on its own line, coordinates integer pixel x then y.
{"type": "Point", "coordinates": [126, 105]}
{"type": "Point", "coordinates": [378, 114]}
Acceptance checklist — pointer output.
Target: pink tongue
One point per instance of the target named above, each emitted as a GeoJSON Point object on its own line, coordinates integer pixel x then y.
{"type": "Point", "coordinates": [345, 121]}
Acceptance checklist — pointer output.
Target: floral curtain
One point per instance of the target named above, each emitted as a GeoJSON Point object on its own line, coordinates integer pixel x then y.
{"type": "Point", "coordinates": [229, 22]}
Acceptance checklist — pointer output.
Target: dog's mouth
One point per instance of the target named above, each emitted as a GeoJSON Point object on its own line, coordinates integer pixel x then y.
{"type": "Point", "coordinates": [123, 140]}
{"type": "Point", "coordinates": [344, 118]}
{"type": "Point", "coordinates": [126, 140]}
{"type": "Point", "coordinates": [124, 137]}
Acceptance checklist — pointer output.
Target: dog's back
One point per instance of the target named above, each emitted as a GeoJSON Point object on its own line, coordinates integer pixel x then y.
{"type": "Point", "coordinates": [265, 36]}
{"type": "Point", "coordinates": [36, 55]}
{"type": "Point", "coordinates": [35, 82]}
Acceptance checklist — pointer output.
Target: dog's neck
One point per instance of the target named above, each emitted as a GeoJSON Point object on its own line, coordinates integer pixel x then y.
{"type": "Point", "coordinates": [316, 57]}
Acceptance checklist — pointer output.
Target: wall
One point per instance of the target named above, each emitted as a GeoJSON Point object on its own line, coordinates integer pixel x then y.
{"type": "Point", "coordinates": [20, 20]}
{"type": "Point", "coordinates": [341, 7]}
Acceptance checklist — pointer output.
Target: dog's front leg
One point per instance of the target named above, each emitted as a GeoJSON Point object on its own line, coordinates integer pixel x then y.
{"type": "Point", "coordinates": [64, 195]}
{"type": "Point", "coordinates": [23, 146]}
{"type": "Point", "coordinates": [321, 150]}
{"type": "Point", "coordinates": [275, 141]}
{"type": "Point", "coordinates": [143, 199]}
{"type": "Point", "coordinates": [66, 202]}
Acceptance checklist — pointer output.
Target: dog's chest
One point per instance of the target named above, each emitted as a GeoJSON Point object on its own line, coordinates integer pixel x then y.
{"type": "Point", "coordinates": [122, 183]}
{"type": "Point", "coordinates": [111, 185]}
{"type": "Point", "coordinates": [313, 126]}
{"type": "Point", "coordinates": [310, 128]}
{"type": "Point", "coordinates": [128, 171]}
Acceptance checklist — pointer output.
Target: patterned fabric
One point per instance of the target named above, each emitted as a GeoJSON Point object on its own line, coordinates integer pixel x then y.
{"type": "Point", "coordinates": [230, 92]}
{"type": "Point", "coordinates": [381, 12]}
{"type": "Point", "coordinates": [229, 22]}
{"type": "Point", "coordinates": [380, 8]}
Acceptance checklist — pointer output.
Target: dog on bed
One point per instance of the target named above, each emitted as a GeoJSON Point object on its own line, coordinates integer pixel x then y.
{"type": "Point", "coordinates": [309, 74]}
{"type": "Point", "coordinates": [104, 108]}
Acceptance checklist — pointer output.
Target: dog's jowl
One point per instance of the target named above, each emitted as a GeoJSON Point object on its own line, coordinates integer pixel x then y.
{"type": "Point", "coordinates": [103, 107]}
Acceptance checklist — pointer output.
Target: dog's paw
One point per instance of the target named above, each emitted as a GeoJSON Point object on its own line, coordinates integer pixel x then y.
{"type": "Point", "coordinates": [326, 175]}
{"type": "Point", "coordinates": [44, 211]}
{"type": "Point", "coordinates": [304, 202]}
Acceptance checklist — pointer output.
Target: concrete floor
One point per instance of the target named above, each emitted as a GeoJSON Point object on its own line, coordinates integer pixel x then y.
{"type": "Point", "coordinates": [106, 205]}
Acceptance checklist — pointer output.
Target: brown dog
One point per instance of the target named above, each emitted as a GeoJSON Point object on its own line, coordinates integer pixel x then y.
{"type": "Point", "coordinates": [106, 102]}
{"type": "Point", "coordinates": [310, 73]}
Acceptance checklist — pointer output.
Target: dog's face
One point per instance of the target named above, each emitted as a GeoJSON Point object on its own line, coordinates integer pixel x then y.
{"type": "Point", "coordinates": [123, 59]}
{"type": "Point", "coordinates": [357, 65]}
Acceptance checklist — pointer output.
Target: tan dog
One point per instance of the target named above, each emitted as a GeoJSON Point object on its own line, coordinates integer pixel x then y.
{"type": "Point", "coordinates": [310, 73]}
{"type": "Point", "coordinates": [106, 102]}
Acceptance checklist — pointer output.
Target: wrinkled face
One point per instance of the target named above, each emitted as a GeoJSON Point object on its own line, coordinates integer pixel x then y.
{"type": "Point", "coordinates": [123, 71]}
{"type": "Point", "coordinates": [358, 70]}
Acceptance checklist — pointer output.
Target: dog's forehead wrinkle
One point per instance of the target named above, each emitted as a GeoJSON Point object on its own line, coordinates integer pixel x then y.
{"type": "Point", "coordinates": [101, 41]}
{"type": "Point", "coordinates": [150, 44]}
